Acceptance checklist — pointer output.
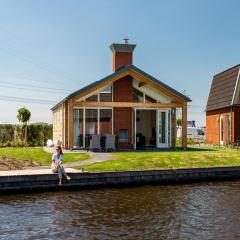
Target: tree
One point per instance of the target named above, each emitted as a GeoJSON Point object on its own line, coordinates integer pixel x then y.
{"type": "Point", "coordinates": [179, 122]}
{"type": "Point", "coordinates": [23, 116]}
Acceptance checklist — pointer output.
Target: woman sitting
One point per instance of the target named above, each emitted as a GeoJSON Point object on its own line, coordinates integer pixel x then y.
{"type": "Point", "coordinates": [57, 166]}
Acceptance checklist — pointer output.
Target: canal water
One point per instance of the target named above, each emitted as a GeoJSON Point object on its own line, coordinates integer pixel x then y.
{"type": "Point", "coordinates": [191, 211]}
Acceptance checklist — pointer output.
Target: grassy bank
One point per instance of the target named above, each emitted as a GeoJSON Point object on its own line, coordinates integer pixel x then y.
{"type": "Point", "coordinates": [193, 157]}
{"type": "Point", "coordinates": [38, 155]}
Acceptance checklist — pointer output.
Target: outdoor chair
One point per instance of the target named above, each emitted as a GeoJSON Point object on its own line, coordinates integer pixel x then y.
{"type": "Point", "coordinates": [103, 143]}
{"type": "Point", "coordinates": [110, 142]}
{"type": "Point", "coordinates": [95, 142]}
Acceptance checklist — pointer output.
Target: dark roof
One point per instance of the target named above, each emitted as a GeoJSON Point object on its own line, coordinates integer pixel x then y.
{"type": "Point", "coordinates": [222, 89]}
{"type": "Point", "coordinates": [118, 47]}
{"type": "Point", "coordinates": [119, 71]}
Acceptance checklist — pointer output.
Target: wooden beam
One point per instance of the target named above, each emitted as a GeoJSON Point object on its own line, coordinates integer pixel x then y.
{"type": "Point", "coordinates": [70, 123]}
{"type": "Point", "coordinates": [155, 85]}
{"type": "Point", "coordinates": [126, 104]}
{"type": "Point", "coordinates": [132, 73]}
{"type": "Point", "coordinates": [173, 128]}
{"type": "Point", "coordinates": [141, 84]}
{"type": "Point", "coordinates": [65, 125]}
{"type": "Point", "coordinates": [101, 85]}
{"type": "Point", "coordinates": [184, 126]}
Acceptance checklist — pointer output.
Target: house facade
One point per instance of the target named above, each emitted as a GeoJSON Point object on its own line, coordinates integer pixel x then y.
{"type": "Point", "coordinates": [223, 108]}
{"type": "Point", "coordinates": [129, 104]}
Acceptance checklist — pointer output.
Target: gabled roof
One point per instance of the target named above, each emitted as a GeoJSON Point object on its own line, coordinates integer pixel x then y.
{"type": "Point", "coordinates": [223, 89]}
{"type": "Point", "coordinates": [118, 72]}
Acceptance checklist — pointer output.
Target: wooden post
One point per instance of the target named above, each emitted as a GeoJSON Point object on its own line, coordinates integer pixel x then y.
{"type": "Point", "coordinates": [70, 123]}
{"type": "Point", "coordinates": [184, 126]}
{"type": "Point", "coordinates": [65, 125]}
{"type": "Point", "coordinates": [173, 128]}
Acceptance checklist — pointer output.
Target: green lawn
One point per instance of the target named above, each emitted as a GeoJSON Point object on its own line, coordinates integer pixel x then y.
{"type": "Point", "coordinates": [39, 156]}
{"type": "Point", "coordinates": [193, 157]}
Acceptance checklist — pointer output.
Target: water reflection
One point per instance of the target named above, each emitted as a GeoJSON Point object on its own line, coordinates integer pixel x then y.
{"type": "Point", "coordinates": [196, 211]}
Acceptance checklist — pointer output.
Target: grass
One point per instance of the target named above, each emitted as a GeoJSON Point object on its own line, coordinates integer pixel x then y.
{"type": "Point", "coordinates": [192, 158]}
{"type": "Point", "coordinates": [38, 155]}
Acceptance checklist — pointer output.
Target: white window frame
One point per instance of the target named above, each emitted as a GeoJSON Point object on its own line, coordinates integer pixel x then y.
{"type": "Point", "coordinates": [221, 123]}
{"type": "Point", "coordinates": [157, 132]}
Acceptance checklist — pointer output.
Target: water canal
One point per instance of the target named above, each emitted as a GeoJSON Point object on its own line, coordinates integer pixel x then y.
{"type": "Point", "coordinates": [191, 211]}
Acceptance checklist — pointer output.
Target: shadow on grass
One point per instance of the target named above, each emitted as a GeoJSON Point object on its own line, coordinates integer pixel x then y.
{"type": "Point", "coordinates": [177, 149]}
{"type": "Point", "coordinates": [200, 149]}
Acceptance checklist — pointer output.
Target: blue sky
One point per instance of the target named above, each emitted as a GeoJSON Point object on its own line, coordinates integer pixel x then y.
{"type": "Point", "coordinates": [50, 48]}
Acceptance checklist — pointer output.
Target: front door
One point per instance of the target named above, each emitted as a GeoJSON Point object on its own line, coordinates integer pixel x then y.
{"type": "Point", "coordinates": [162, 128]}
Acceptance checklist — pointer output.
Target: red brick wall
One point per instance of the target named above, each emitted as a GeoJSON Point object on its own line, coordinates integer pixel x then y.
{"type": "Point", "coordinates": [213, 126]}
{"type": "Point", "coordinates": [123, 120]}
{"type": "Point", "coordinates": [106, 127]}
{"type": "Point", "coordinates": [121, 59]}
{"type": "Point", "coordinates": [122, 90]}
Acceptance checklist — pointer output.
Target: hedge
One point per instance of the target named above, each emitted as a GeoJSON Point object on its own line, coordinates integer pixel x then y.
{"type": "Point", "coordinates": [37, 134]}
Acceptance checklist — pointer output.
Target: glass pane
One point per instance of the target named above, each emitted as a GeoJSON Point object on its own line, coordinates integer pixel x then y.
{"type": "Point", "coordinates": [91, 123]}
{"type": "Point", "coordinates": [221, 136]}
{"type": "Point", "coordinates": [106, 121]}
{"type": "Point", "coordinates": [78, 127]}
{"type": "Point", "coordinates": [137, 96]}
{"type": "Point", "coordinates": [106, 95]}
{"type": "Point", "coordinates": [123, 135]}
{"type": "Point", "coordinates": [228, 128]}
{"type": "Point", "coordinates": [149, 99]}
{"type": "Point", "coordinates": [93, 98]}
{"type": "Point", "coordinates": [162, 127]}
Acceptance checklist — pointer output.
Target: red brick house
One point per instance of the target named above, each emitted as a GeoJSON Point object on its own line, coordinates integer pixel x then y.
{"type": "Point", "coordinates": [223, 108]}
{"type": "Point", "coordinates": [134, 107]}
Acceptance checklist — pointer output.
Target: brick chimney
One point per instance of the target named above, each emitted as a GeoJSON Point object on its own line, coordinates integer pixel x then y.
{"type": "Point", "coordinates": [122, 54]}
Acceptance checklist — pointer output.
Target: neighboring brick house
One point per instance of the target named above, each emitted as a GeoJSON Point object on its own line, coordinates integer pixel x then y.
{"type": "Point", "coordinates": [139, 110]}
{"type": "Point", "coordinates": [223, 108]}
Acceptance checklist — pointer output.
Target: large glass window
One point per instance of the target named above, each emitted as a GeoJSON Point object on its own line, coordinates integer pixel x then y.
{"type": "Point", "coordinates": [93, 98]}
{"type": "Point", "coordinates": [91, 124]}
{"type": "Point", "coordinates": [137, 95]}
{"type": "Point", "coordinates": [78, 127]}
{"type": "Point", "coordinates": [106, 121]}
{"type": "Point", "coordinates": [91, 121]}
{"type": "Point", "coordinates": [106, 95]}
{"type": "Point", "coordinates": [149, 99]}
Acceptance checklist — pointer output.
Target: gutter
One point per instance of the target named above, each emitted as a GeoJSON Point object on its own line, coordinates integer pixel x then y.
{"type": "Point", "coordinates": [58, 104]}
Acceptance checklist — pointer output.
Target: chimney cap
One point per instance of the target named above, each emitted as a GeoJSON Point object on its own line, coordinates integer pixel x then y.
{"type": "Point", "coordinates": [122, 47]}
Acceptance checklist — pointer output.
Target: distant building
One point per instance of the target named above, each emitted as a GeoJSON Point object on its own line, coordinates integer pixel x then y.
{"type": "Point", "coordinates": [191, 123]}
{"type": "Point", "coordinates": [223, 108]}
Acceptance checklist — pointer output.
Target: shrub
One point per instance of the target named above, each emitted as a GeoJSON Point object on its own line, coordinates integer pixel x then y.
{"type": "Point", "coordinates": [37, 135]}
